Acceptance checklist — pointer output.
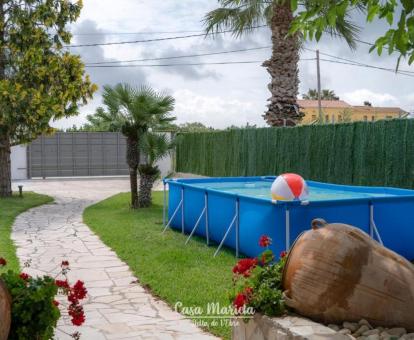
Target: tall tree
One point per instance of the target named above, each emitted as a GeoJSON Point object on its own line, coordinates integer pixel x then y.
{"type": "Point", "coordinates": [326, 94]}
{"type": "Point", "coordinates": [133, 111]}
{"type": "Point", "coordinates": [39, 79]}
{"type": "Point", "coordinates": [314, 20]}
{"type": "Point", "coordinates": [241, 16]}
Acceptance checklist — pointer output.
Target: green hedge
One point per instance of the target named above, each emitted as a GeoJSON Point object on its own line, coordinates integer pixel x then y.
{"type": "Point", "coordinates": [362, 153]}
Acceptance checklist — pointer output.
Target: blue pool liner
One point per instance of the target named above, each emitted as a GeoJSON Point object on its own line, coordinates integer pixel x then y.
{"type": "Point", "coordinates": [387, 214]}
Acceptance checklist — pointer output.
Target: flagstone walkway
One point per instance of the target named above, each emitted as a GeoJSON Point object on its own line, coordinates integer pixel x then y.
{"type": "Point", "coordinates": [117, 307]}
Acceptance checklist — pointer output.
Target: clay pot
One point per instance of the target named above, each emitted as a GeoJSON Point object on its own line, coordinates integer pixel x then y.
{"type": "Point", "coordinates": [338, 273]}
{"type": "Point", "coordinates": [5, 311]}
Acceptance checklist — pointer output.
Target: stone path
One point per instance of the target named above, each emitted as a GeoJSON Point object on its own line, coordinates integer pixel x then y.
{"type": "Point", "coordinates": [116, 308]}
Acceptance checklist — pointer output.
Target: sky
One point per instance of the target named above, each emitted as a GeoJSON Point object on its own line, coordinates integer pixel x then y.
{"type": "Point", "coordinates": [220, 95]}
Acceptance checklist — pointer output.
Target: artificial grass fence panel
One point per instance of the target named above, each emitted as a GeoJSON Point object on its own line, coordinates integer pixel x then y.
{"type": "Point", "coordinates": [360, 153]}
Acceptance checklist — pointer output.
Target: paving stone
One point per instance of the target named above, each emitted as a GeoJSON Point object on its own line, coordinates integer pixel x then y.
{"type": "Point", "coordinates": [115, 308]}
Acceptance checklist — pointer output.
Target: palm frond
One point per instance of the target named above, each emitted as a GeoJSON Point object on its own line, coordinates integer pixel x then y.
{"type": "Point", "coordinates": [133, 110]}
{"type": "Point", "coordinates": [156, 146]}
{"type": "Point", "coordinates": [238, 16]}
{"type": "Point", "coordinates": [347, 30]}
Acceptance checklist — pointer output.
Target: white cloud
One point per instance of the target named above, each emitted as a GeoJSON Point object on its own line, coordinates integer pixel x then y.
{"type": "Point", "coordinates": [237, 93]}
{"type": "Point", "coordinates": [357, 97]}
{"type": "Point", "coordinates": [218, 112]}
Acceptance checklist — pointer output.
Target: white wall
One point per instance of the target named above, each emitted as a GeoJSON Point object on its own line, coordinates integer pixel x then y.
{"type": "Point", "coordinates": [166, 165]}
{"type": "Point", "coordinates": [19, 162]}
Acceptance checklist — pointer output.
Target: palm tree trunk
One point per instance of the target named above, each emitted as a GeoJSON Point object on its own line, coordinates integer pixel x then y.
{"type": "Point", "coordinates": [133, 162]}
{"type": "Point", "coordinates": [283, 69]}
{"type": "Point", "coordinates": [146, 183]}
{"type": "Point", "coordinates": [5, 169]}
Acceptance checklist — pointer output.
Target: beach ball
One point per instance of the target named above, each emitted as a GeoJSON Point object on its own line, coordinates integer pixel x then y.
{"type": "Point", "coordinates": [288, 187]}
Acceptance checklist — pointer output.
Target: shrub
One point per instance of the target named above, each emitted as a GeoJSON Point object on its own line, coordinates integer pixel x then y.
{"type": "Point", "coordinates": [257, 282]}
{"type": "Point", "coordinates": [34, 316]}
{"type": "Point", "coordinates": [34, 310]}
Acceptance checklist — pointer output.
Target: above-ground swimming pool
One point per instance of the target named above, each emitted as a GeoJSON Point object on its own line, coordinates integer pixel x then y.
{"type": "Point", "coordinates": [236, 211]}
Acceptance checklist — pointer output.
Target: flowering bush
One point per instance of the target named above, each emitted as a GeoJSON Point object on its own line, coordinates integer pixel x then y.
{"type": "Point", "coordinates": [257, 282]}
{"type": "Point", "coordinates": [35, 311]}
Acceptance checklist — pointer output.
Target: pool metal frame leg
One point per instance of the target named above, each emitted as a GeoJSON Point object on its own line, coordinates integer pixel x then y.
{"type": "Point", "coordinates": [196, 225]}
{"type": "Point", "coordinates": [180, 205]}
{"type": "Point", "coordinates": [173, 215]}
{"type": "Point", "coordinates": [287, 228]}
{"type": "Point", "coordinates": [207, 231]}
{"type": "Point", "coordinates": [372, 226]}
{"type": "Point", "coordinates": [235, 220]}
{"type": "Point", "coordinates": [203, 212]}
{"type": "Point", "coordinates": [237, 227]}
{"type": "Point", "coordinates": [164, 207]}
{"type": "Point", "coordinates": [182, 210]}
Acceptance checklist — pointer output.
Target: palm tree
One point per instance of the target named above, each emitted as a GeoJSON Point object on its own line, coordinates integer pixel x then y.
{"type": "Point", "coordinates": [133, 111]}
{"type": "Point", "coordinates": [326, 94]}
{"type": "Point", "coordinates": [155, 147]}
{"type": "Point", "coordinates": [241, 16]}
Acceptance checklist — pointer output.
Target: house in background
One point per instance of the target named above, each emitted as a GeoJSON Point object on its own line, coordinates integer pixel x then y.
{"type": "Point", "coordinates": [337, 111]}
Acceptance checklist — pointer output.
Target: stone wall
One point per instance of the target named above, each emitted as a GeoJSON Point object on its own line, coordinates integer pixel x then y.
{"type": "Point", "coordinates": [282, 328]}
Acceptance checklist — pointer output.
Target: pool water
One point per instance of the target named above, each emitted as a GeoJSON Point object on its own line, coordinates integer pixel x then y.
{"type": "Point", "coordinates": [261, 189]}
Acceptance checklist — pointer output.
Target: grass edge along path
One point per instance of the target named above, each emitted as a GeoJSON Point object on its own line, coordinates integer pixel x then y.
{"type": "Point", "coordinates": [10, 208]}
{"type": "Point", "coordinates": [171, 270]}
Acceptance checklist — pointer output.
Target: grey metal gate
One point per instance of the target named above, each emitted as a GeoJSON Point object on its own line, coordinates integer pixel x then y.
{"type": "Point", "coordinates": [66, 154]}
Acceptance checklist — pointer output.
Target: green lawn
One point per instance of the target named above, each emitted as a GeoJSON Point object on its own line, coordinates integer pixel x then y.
{"type": "Point", "coordinates": [172, 271]}
{"type": "Point", "coordinates": [9, 209]}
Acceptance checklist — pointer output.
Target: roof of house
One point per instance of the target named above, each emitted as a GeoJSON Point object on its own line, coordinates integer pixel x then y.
{"type": "Point", "coordinates": [376, 109]}
{"type": "Point", "coordinates": [325, 103]}
{"type": "Point", "coordinates": [313, 104]}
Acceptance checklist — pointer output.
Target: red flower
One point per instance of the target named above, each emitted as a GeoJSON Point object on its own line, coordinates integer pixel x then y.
{"type": "Point", "coordinates": [244, 266]}
{"type": "Point", "coordinates": [239, 301]}
{"type": "Point", "coordinates": [65, 264]}
{"type": "Point", "coordinates": [62, 284]}
{"type": "Point", "coordinates": [265, 241]}
{"type": "Point", "coordinates": [72, 298]}
{"type": "Point", "coordinates": [77, 314]}
{"type": "Point", "coordinates": [24, 276]}
{"type": "Point", "coordinates": [283, 254]}
{"type": "Point", "coordinates": [78, 320]}
{"type": "Point", "coordinates": [3, 262]}
{"type": "Point", "coordinates": [79, 290]}
{"type": "Point", "coordinates": [56, 303]}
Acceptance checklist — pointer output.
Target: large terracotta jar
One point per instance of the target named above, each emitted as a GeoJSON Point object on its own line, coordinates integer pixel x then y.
{"type": "Point", "coordinates": [337, 273]}
{"type": "Point", "coordinates": [5, 311]}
